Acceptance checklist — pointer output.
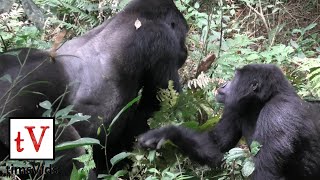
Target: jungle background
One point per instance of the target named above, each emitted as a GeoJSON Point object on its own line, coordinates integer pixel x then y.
{"type": "Point", "coordinates": [224, 35]}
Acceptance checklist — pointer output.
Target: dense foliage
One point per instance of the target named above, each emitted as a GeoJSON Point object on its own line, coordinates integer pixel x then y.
{"type": "Point", "coordinates": [235, 32]}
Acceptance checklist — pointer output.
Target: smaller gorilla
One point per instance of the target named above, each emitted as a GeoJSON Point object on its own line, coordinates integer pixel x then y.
{"type": "Point", "coordinates": [261, 105]}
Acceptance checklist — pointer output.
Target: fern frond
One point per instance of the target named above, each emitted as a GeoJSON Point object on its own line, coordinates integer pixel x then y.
{"type": "Point", "coordinates": [168, 96]}
{"type": "Point", "coordinates": [201, 81]}
{"type": "Point", "coordinates": [312, 67]}
{"type": "Point", "coordinates": [180, 108]}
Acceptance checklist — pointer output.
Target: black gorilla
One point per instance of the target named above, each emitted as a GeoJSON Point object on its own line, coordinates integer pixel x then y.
{"type": "Point", "coordinates": [105, 69]}
{"type": "Point", "coordinates": [261, 105]}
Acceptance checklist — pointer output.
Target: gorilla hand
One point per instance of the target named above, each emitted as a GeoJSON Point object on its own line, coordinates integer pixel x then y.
{"type": "Point", "coordinates": [155, 138]}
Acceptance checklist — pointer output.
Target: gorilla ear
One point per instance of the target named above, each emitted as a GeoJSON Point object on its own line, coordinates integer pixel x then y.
{"type": "Point", "coordinates": [255, 86]}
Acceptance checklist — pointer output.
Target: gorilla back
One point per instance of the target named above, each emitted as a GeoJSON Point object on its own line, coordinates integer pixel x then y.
{"type": "Point", "coordinates": [105, 69]}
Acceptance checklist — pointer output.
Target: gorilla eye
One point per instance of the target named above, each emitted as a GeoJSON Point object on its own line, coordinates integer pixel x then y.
{"type": "Point", "coordinates": [254, 86]}
{"type": "Point", "coordinates": [173, 25]}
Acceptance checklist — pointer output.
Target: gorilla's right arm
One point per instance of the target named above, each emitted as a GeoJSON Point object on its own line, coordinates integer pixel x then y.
{"type": "Point", "coordinates": [203, 147]}
{"type": "Point", "coordinates": [165, 55]}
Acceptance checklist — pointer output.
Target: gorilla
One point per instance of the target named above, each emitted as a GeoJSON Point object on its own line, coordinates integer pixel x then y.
{"type": "Point", "coordinates": [260, 105]}
{"type": "Point", "coordinates": [104, 70]}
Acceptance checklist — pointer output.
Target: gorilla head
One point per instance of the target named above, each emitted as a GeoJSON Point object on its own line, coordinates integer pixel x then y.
{"type": "Point", "coordinates": [254, 87]}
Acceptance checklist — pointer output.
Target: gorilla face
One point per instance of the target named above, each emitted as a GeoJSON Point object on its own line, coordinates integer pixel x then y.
{"type": "Point", "coordinates": [239, 90]}
{"type": "Point", "coordinates": [221, 92]}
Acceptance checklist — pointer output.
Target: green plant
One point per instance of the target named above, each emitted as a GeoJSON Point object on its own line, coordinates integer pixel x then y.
{"type": "Point", "coordinates": [312, 68]}
{"type": "Point", "coordinates": [179, 108]}
{"type": "Point", "coordinates": [65, 117]}
{"type": "Point", "coordinates": [237, 52]}
{"type": "Point", "coordinates": [14, 32]}
{"type": "Point", "coordinates": [78, 16]}
{"type": "Point", "coordinates": [206, 26]}
{"type": "Point", "coordinates": [239, 162]}
{"type": "Point", "coordinates": [88, 162]}
{"type": "Point", "coordinates": [150, 165]}
{"type": "Point", "coordinates": [306, 47]}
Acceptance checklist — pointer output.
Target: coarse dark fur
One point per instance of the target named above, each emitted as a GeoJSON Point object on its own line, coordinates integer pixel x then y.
{"type": "Point", "coordinates": [261, 105]}
{"type": "Point", "coordinates": [105, 69]}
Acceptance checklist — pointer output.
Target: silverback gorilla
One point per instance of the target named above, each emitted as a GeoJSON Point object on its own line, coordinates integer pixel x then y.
{"type": "Point", "coordinates": [106, 68]}
{"type": "Point", "coordinates": [261, 105]}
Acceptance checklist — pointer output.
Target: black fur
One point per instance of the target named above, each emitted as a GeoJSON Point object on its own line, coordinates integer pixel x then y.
{"type": "Point", "coordinates": [261, 105]}
{"type": "Point", "coordinates": [106, 67]}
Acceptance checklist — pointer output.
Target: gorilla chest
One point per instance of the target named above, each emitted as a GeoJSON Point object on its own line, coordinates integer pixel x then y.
{"type": "Point", "coordinates": [248, 129]}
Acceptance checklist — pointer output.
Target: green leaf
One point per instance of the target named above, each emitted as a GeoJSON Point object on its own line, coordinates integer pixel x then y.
{"type": "Point", "coordinates": [74, 173]}
{"type": "Point", "coordinates": [46, 105]}
{"type": "Point", "coordinates": [153, 170]}
{"type": "Point", "coordinates": [151, 178]}
{"type": "Point", "coordinates": [123, 3]}
{"type": "Point", "coordinates": [234, 154]}
{"type": "Point", "coordinates": [47, 113]}
{"type": "Point", "coordinates": [191, 124]}
{"type": "Point", "coordinates": [123, 110]}
{"type": "Point", "coordinates": [77, 174]}
{"type": "Point", "coordinates": [120, 173]}
{"type": "Point", "coordinates": [151, 155]}
{"type": "Point", "coordinates": [196, 5]}
{"type": "Point", "coordinates": [255, 147]}
{"type": "Point", "coordinates": [102, 176]}
{"type": "Point", "coordinates": [107, 177]}
{"type": "Point", "coordinates": [247, 168]}
{"type": "Point", "coordinates": [99, 130]}
{"type": "Point", "coordinates": [77, 118]}
{"type": "Point", "coordinates": [294, 31]}
{"type": "Point", "coordinates": [232, 12]}
{"type": "Point", "coordinates": [209, 123]}
{"type": "Point", "coordinates": [314, 72]}
{"type": "Point", "coordinates": [311, 26]}
{"type": "Point", "coordinates": [117, 158]}
{"type": "Point", "coordinates": [6, 77]}
{"type": "Point", "coordinates": [63, 112]}
{"type": "Point", "coordinates": [253, 56]}
{"type": "Point", "coordinates": [76, 143]}
{"type": "Point", "coordinates": [294, 44]}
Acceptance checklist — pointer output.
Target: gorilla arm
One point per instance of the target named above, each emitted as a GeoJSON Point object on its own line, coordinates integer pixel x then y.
{"type": "Point", "coordinates": [198, 146]}
{"type": "Point", "coordinates": [205, 148]}
{"type": "Point", "coordinates": [162, 56]}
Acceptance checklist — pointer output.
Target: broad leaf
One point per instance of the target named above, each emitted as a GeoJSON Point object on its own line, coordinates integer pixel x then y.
{"type": "Point", "coordinates": [76, 143]}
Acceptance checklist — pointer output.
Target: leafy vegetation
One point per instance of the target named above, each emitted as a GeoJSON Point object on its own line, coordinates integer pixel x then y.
{"type": "Point", "coordinates": [237, 32]}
